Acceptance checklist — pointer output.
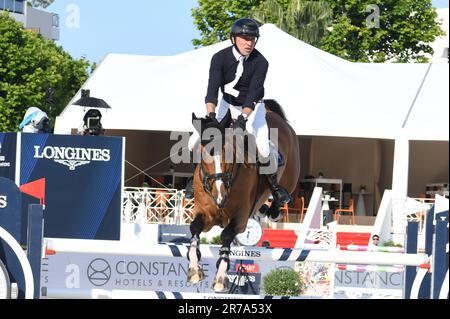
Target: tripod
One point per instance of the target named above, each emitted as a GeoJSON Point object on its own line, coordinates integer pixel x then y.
{"type": "Point", "coordinates": [241, 273]}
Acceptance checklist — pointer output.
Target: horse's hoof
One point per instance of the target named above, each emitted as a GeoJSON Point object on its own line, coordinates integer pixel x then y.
{"type": "Point", "coordinates": [195, 275]}
{"type": "Point", "coordinates": [221, 284]}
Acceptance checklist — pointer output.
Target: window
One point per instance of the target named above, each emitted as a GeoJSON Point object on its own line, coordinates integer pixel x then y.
{"type": "Point", "coordinates": [9, 5]}
{"type": "Point", "coordinates": [19, 6]}
{"type": "Point", "coordinates": [55, 21]}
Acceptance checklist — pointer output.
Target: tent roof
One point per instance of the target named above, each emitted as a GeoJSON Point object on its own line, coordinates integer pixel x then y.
{"type": "Point", "coordinates": [321, 93]}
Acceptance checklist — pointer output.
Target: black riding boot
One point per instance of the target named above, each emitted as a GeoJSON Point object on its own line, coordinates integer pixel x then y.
{"type": "Point", "coordinates": [279, 193]}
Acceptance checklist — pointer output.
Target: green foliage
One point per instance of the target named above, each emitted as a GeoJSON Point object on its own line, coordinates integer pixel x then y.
{"type": "Point", "coordinates": [29, 66]}
{"type": "Point", "coordinates": [214, 241]}
{"type": "Point", "coordinates": [356, 30]}
{"type": "Point", "coordinates": [306, 20]}
{"type": "Point", "coordinates": [215, 18]}
{"type": "Point", "coordinates": [283, 282]}
{"type": "Point", "coordinates": [391, 244]}
{"type": "Point", "coordinates": [41, 3]}
{"type": "Point", "coordinates": [380, 30]}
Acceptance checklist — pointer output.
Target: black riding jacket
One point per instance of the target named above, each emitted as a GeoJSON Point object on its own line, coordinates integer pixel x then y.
{"type": "Point", "coordinates": [250, 85]}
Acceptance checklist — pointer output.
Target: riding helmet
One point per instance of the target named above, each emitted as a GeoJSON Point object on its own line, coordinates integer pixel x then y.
{"type": "Point", "coordinates": [245, 27]}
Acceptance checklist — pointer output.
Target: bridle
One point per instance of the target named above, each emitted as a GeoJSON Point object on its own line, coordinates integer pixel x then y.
{"type": "Point", "coordinates": [227, 177]}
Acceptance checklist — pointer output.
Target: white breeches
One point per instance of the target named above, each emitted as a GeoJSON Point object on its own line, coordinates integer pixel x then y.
{"type": "Point", "coordinates": [256, 125]}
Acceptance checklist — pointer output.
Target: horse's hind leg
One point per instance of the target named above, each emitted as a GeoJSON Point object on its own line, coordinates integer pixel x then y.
{"type": "Point", "coordinates": [221, 282]}
{"type": "Point", "coordinates": [195, 273]}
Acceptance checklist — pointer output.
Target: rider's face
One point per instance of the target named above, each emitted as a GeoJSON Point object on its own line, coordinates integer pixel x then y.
{"type": "Point", "coordinates": [245, 44]}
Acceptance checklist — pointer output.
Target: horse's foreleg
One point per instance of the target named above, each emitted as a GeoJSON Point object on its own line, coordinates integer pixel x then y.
{"type": "Point", "coordinates": [221, 281]}
{"type": "Point", "coordinates": [195, 273]}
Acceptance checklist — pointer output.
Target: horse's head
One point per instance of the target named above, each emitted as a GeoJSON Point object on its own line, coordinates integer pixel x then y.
{"type": "Point", "coordinates": [217, 165]}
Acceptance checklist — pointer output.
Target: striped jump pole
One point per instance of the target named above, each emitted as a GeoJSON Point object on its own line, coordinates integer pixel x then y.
{"type": "Point", "coordinates": [237, 253]}
{"type": "Point", "coordinates": [367, 268]}
{"type": "Point", "coordinates": [372, 248]}
{"type": "Point", "coordinates": [76, 293]}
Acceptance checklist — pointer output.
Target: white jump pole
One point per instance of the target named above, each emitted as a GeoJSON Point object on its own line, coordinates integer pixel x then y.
{"type": "Point", "coordinates": [253, 253]}
{"type": "Point", "coordinates": [77, 293]}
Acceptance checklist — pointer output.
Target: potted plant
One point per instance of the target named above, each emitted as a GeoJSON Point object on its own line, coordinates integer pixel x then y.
{"type": "Point", "coordinates": [283, 282]}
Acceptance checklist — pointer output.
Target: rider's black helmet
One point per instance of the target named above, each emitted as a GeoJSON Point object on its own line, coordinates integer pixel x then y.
{"type": "Point", "coordinates": [245, 27]}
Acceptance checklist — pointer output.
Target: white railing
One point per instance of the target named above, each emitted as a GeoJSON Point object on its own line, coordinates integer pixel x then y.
{"type": "Point", "coordinates": [145, 205]}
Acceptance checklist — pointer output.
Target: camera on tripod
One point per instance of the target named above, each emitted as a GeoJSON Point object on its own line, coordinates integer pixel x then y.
{"type": "Point", "coordinates": [92, 123]}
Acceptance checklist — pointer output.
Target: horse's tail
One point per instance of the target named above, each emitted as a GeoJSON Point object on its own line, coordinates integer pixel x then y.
{"type": "Point", "coordinates": [274, 106]}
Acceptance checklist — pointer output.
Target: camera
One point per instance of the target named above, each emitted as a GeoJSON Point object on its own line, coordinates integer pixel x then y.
{"type": "Point", "coordinates": [92, 123]}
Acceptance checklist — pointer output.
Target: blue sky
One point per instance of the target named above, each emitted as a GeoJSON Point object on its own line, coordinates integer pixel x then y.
{"type": "Point", "coordinates": [94, 28]}
{"type": "Point", "coordinates": [147, 27]}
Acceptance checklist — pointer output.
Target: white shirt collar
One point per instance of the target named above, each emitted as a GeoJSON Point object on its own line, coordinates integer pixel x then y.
{"type": "Point", "coordinates": [237, 55]}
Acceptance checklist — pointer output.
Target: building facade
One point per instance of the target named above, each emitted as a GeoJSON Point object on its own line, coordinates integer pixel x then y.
{"type": "Point", "coordinates": [40, 21]}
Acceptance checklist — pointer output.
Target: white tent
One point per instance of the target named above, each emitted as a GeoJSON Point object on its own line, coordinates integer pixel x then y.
{"type": "Point", "coordinates": [323, 95]}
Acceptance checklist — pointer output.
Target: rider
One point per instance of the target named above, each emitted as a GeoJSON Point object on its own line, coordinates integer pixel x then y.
{"type": "Point", "coordinates": [240, 71]}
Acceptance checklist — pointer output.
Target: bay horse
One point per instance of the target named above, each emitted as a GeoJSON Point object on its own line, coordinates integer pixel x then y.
{"type": "Point", "coordinates": [228, 193]}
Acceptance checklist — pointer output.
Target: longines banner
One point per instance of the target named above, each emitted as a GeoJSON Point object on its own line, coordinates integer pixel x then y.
{"type": "Point", "coordinates": [83, 177]}
{"type": "Point", "coordinates": [83, 183]}
{"type": "Point", "coordinates": [8, 155]}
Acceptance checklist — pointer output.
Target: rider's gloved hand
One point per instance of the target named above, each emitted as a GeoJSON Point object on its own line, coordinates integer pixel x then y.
{"type": "Point", "coordinates": [211, 118]}
{"type": "Point", "coordinates": [240, 122]}
{"type": "Point", "coordinates": [211, 115]}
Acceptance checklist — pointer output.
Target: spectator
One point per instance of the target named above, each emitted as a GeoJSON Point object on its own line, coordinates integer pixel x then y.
{"type": "Point", "coordinates": [375, 239]}
{"type": "Point", "coordinates": [35, 121]}
{"type": "Point", "coordinates": [266, 244]}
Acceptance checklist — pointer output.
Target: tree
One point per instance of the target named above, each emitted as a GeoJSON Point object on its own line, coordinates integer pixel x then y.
{"type": "Point", "coordinates": [396, 30]}
{"type": "Point", "coordinates": [41, 3]}
{"type": "Point", "coordinates": [34, 72]}
{"type": "Point", "coordinates": [215, 18]}
{"type": "Point", "coordinates": [306, 20]}
{"type": "Point", "coordinates": [356, 30]}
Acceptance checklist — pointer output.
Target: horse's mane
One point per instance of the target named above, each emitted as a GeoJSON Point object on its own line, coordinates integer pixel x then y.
{"type": "Point", "coordinates": [275, 107]}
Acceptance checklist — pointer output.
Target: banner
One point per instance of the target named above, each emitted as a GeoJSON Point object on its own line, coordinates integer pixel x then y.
{"type": "Point", "coordinates": [10, 201]}
{"type": "Point", "coordinates": [88, 271]}
{"type": "Point", "coordinates": [83, 176]}
{"type": "Point", "coordinates": [8, 155]}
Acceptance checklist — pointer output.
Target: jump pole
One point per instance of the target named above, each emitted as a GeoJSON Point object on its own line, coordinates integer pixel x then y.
{"type": "Point", "coordinates": [77, 293]}
{"type": "Point", "coordinates": [237, 253]}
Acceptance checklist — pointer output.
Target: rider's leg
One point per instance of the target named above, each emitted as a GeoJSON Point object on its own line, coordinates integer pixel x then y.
{"type": "Point", "coordinates": [224, 106]}
{"type": "Point", "coordinates": [268, 156]}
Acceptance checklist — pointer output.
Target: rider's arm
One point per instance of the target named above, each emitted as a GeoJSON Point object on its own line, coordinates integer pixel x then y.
{"type": "Point", "coordinates": [210, 107]}
{"type": "Point", "coordinates": [256, 89]}
{"type": "Point", "coordinates": [214, 82]}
